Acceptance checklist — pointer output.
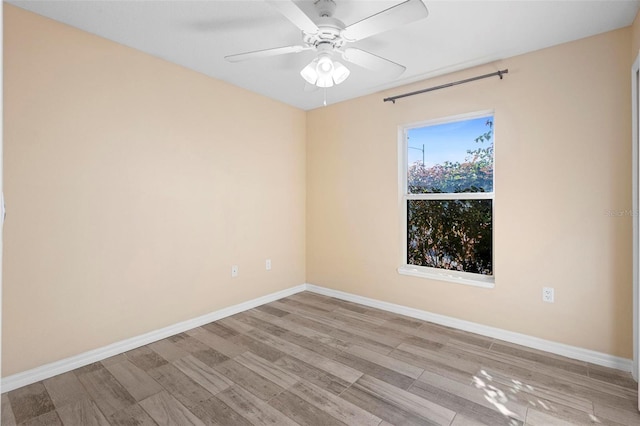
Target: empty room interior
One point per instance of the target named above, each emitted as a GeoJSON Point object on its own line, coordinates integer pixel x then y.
{"type": "Point", "coordinates": [227, 212]}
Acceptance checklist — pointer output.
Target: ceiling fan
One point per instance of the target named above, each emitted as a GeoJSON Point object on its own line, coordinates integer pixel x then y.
{"type": "Point", "coordinates": [328, 36]}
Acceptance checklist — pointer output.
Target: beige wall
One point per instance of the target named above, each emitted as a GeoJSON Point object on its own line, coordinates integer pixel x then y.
{"type": "Point", "coordinates": [562, 141]}
{"type": "Point", "coordinates": [132, 186]}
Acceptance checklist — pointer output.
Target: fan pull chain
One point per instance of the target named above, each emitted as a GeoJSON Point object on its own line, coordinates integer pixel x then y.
{"type": "Point", "coordinates": [325, 96]}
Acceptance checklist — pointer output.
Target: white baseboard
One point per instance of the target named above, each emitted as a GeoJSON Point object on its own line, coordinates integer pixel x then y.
{"type": "Point", "coordinates": [574, 352]}
{"type": "Point", "coordinates": [53, 369]}
{"type": "Point", "coordinates": [49, 370]}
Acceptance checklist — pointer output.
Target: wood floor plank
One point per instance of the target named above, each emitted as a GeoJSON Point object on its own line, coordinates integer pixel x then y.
{"type": "Point", "coordinates": [8, 418]}
{"type": "Point", "coordinates": [618, 378]}
{"type": "Point", "coordinates": [257, 347]}
{"type": "Point", "coordinates": [375, 370]}
{"type": "Point", "coordinates": [249, 380]}
{"type": "Point", "coordinates": [88, 368]}
{"type": "Point", "coordinates": [297, 308]}
{"type": "Point", "coordinates": [187, 343]}
{"type": "Point", "coordinates": [256, 411]}
{"type": "Point", "coordinates": [570, 415]}
{"type": "Point", "coordinates": [337, 303]}
{"type": "Point", "coordinates": [215, 412]}
{"type": "Point", "coordinates": [181, 386]}
{"type": "Point", "coordinates": [372, 332]}
{"type": "Point", "coordinates": [405, 401]}
{"type": "Point", "coordinates": [145, 358]}
{"type": "Point", "coordinates": [219, 329]}
{"type": "Point", "coordinates": [540, 418]}
{"type": "Point", "coordinates": [136, 381]}
{"type": "Point", "coordinates": [237, 326]}
{"type": "Point", "coordinates": [508, 368]}
{"type": "Point", "coordinates": [569, 389]}
{"type": "Point", "coordinates": [165, 410]}
{"type": "Point", "coordinates": [114, 359]}
{"type": "Point", "coordinates": [379, 406]}
{"type": "Point", "coordinates": [106, 391]}
{"type": "Point", "coordinates": [406, 333]}
{"type": "Point", "coordinates": [298, 329]}
{"type": "Point", "coordinates": [321, 303]}
{"type": "Point", "coordinates": [133, 415]}
{"type": "Point", "coordinates": [272, 310]}
{"type": "Point", "coordinates": [203, 375]}
{"type": "Point", "coordinates": [312, 374]}
{"type": "Point", "coordinates": [30, 402]}
{"type": "Point", "coordinates": [309, 323]}
{"type": "Point", "coordinates": [460, 420]}
{"type": "Point", "coordinates": [538, 395]}
{"type": "Point", "coordinates": [361, 318]}
{"type": "Point", "coordinates": [210, 356]}
{"type": "Point", "coordinates": [168, 350]}
{"type": "Point", "coordinates": [333, 405]}
{"type": "Point", "coordinates": [48, 419]}
{"type": "Point", "coordinates": [335, 368]}
{"type": "Point", "coordinates": [83, 412]}
{"type": "Point", "coordinates": [313, 345]}
{"type": "Point", "coordinates": [605, 413]}
{"type": "Point", "coordinates": [301, 411]}
{"type": "Point", "coordinates": [65, 389]}
{"type": "Point", "coordinates": [302, 306]}
{"type": "Point", "coordinates": [267, 369]}
{"type": "Point", "coordinates": [469, 401]}
{"type": "Point", "coordinates": [341, 334]}
{"type": "Point", "coordinates": [219, 344]}
{"type": "Point", "coordinates": [250, 322]}
{"type": "Point", "coordinates": [386, 361]}
{"type": "Point", "coordinates": [548, 360]}
{"type": "Point", "coordinates": [453, 334]}
{"type": "Point", "coordinates": [403, 321]}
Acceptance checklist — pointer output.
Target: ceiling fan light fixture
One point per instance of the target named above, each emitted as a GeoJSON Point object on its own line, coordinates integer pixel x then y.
{"type": "Point", "coordinates": [324, 72]}
{"type": "Point", "coordinates": [309, 72]}
{"type": "Point", "coordinates": [325, 65]}
{"type": "Point", "coordinates": [324, 81]}
{"type": "Point", "coordinates": [340, 72]}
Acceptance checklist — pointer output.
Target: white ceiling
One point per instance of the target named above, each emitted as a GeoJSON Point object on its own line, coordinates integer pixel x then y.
{"type": "Point", "coordinates": [456, 35]}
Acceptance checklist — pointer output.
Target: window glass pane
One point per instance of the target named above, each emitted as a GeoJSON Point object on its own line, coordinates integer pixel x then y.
{"type": "Point", "coordinates": [451, 157]}
{"type": "Point", "coordinates": [450, 234]}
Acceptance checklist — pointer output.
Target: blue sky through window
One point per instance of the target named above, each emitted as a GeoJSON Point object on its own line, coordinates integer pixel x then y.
{"type": "Point", "coordinates": [447, 141]}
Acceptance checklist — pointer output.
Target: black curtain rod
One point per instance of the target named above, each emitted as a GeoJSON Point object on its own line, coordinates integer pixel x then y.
{"type": "Point", "coordinates": [455, 83]}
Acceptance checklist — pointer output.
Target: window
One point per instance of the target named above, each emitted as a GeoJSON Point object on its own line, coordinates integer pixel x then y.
{"type": "Point", "coordinates": [448, 193]}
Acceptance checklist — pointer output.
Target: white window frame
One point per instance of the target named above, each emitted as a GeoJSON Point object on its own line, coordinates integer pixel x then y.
{"type": "Point", "coordinates": [468, 278]}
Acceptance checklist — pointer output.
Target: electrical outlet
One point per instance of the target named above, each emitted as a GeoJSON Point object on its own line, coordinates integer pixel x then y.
{"type": "Point", "coordinates": [267, 264]}
{"type": "Point", "coordinates": [547, 294]}
{"type": "Point", "coordinates": [234, 271]}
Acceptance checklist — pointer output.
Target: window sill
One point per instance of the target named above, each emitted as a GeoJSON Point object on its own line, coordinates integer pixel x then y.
{"type": "Point", "coordinates": [450, 276]}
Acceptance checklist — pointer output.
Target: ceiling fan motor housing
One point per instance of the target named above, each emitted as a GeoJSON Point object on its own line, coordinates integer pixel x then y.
{"type": "Point", "coordinates": [325, 7]}
{"type": "Point", "coordinates": [329, 32]}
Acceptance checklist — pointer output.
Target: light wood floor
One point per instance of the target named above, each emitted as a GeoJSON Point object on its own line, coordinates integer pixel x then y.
{"type": "Point", "coordinates": [314, 360]}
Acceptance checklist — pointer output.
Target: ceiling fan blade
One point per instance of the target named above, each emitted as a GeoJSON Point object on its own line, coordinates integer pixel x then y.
{"type": "Point", "coordinates": [372, 62]}
{"type": "Point", "coordinates": [264, 53]}
{"type": "Point", "coordinates": [293, 13]}
{"type": "Point", "coordinates": [401, 14]}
